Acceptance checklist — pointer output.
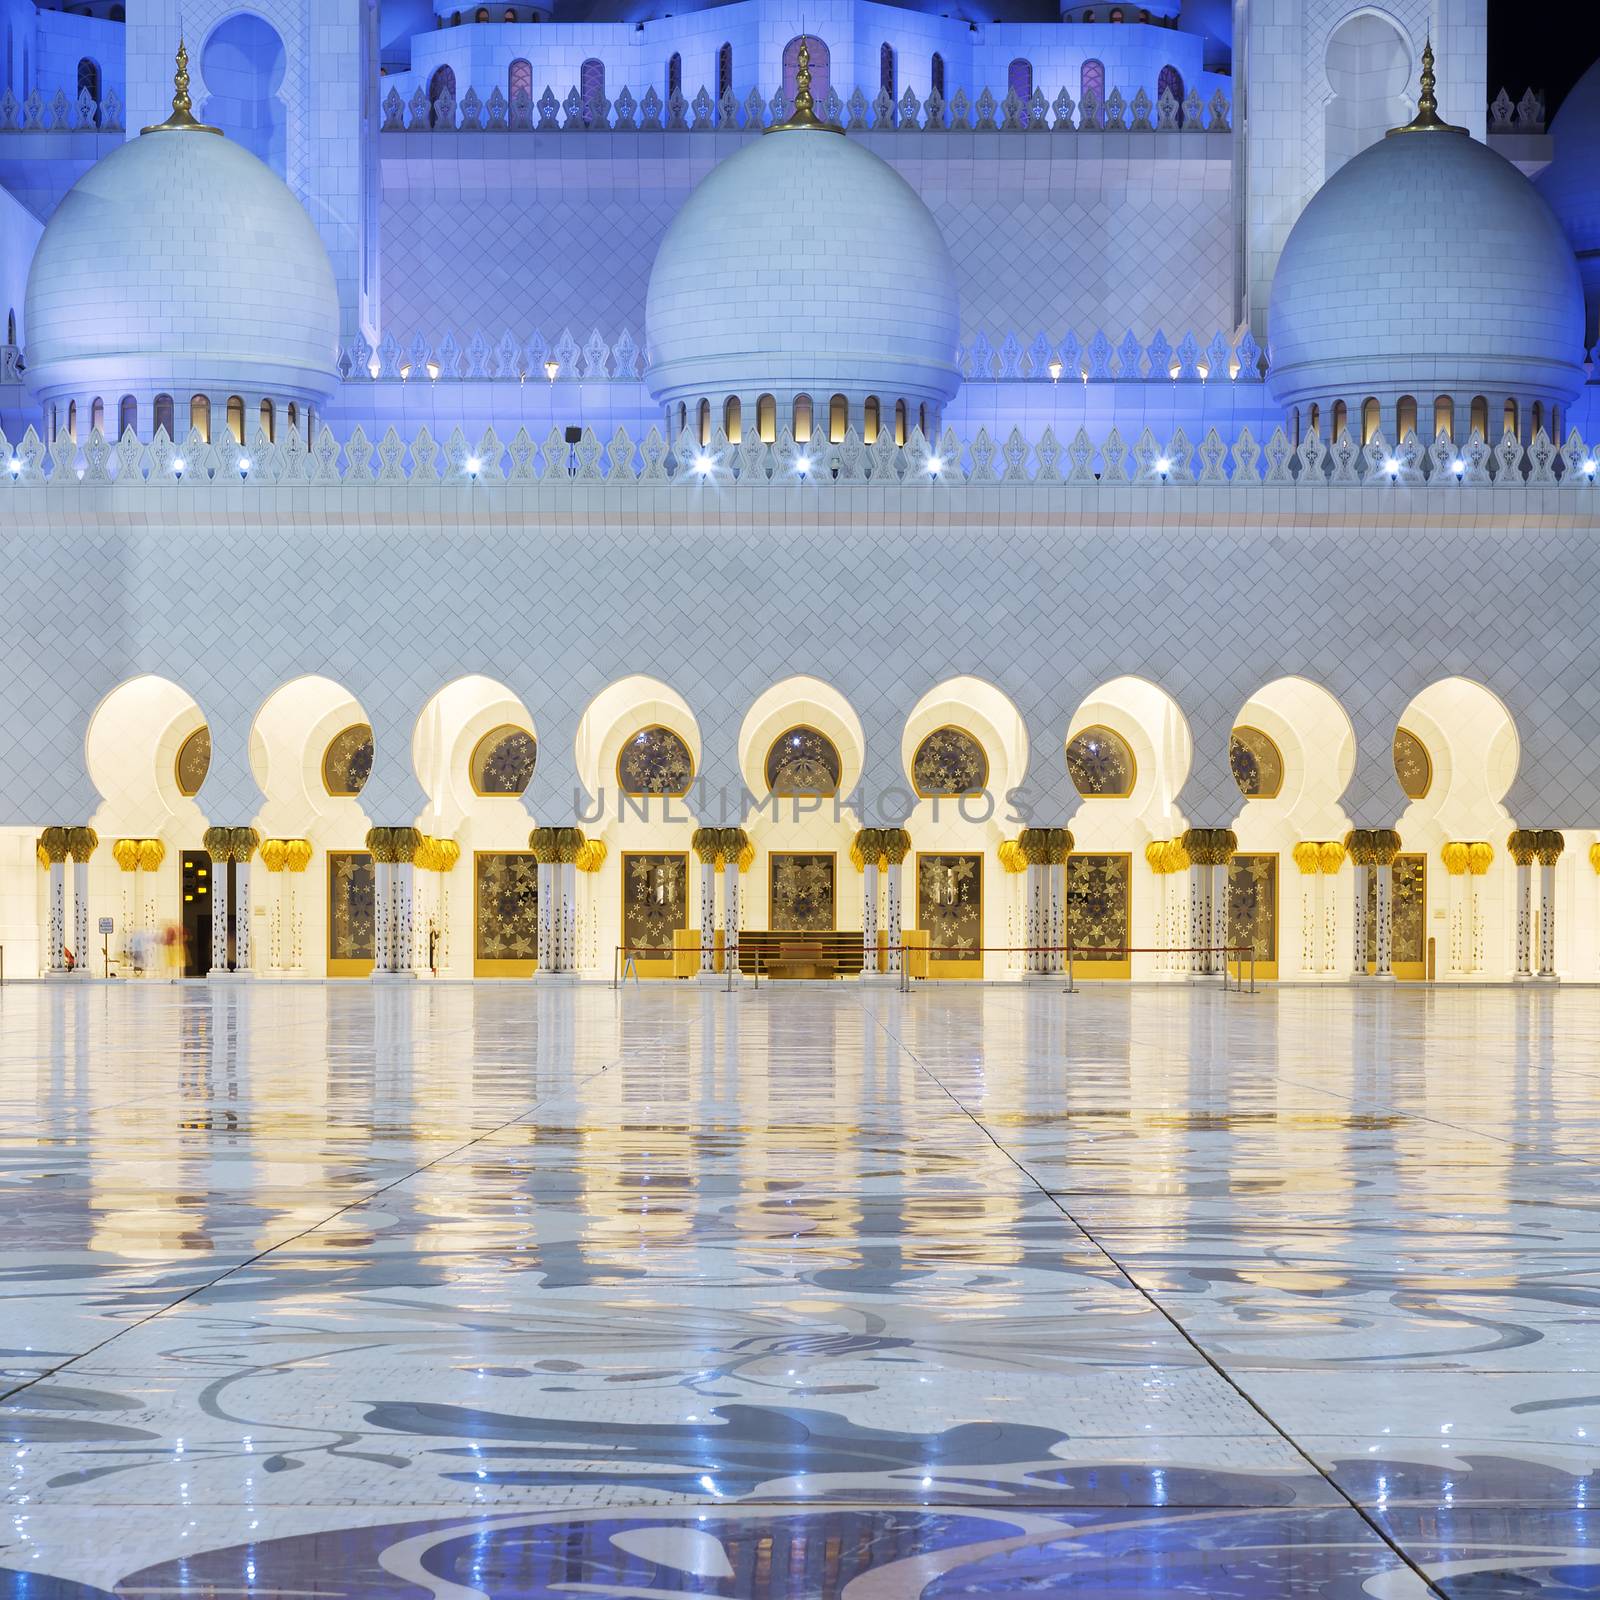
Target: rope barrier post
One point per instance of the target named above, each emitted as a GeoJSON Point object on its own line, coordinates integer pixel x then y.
{"type": "Point", "coordinates": [1252, 969]}
{"type": "Point", "coordinates": [1072, 976]}
{"type": "Point", "coordinates": [616, 951]}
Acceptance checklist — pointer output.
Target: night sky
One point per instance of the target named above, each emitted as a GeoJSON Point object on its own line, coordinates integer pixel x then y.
{"type": "Point", "coordinates": [1541, 44]}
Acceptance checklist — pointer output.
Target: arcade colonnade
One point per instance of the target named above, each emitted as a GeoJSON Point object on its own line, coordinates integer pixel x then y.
{"type": "Point", "coordinates": [311, 885]}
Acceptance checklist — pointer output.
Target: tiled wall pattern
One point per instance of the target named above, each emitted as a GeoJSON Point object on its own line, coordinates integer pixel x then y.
{"type": "Point", "coordinates": [1047, 591]}
{"type": "Point", "coordinates": [1045, 233]}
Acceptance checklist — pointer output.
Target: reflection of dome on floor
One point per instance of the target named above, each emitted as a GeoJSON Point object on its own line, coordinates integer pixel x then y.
{"type": "Point", "coordinates": [1477, 295]}
{"type": "Point", "coordinates": [180, 264]}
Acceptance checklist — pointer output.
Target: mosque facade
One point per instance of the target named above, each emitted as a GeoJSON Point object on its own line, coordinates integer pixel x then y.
{"type": "Point", "coordinates": [847, 492]}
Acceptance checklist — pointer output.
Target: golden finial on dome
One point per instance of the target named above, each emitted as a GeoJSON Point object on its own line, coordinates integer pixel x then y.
{"type": "Point", "coordinates": [1427, 119]}
{"type": "Point", "coordinates": [804, 114]}
{"type": "Point", "coordinates": [181, 119]}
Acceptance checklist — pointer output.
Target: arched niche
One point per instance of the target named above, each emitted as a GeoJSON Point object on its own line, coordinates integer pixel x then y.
{"type": "Point", "coordinates": [1315, 744]}
{"type": "Point", "coordinates": [132, 749]}
{"type": "Point", "coordinates": [242, 66]}
{"type": "Point", "coordinates": [289, 740]}
{"type": "Point", "coordinates": [457, 734]}
{"type": "Point", "coordinates": [1470, 743]}
{"type": "Point", "coordinates": [1145, 718]}
{"type": "Point", "coordinates": [801, 702]}
{"type": "Point", "coordinates": [645, 833]}
{"type": "Point", "coordinates": [616, 716]}
{"type": "Point", "coordinates": [1368, 67]}
{"type": "Point", "coordinates": [802, 826]}
{"type": "Point", "coordinates": [981, 710]}
{"type": "Point", "coordinates": [945, 829]}
{"type": "Point", "coordinates": [1473, 751]}
{"type": "Point", "coordinates": [1301, 729]}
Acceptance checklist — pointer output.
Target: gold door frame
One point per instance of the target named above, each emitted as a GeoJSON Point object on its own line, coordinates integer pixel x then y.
{"type": "Point", "coordinates": [1268, 968]}
{"type": "Point", "coordinates": [945, 966]}
{"type": "Point", "coordinates": [654, 966]}
{"type": "Point", "coordinates": [345, 967]}
{"type": "Point", "coordinates": [1098, 968]}
{"type": "Point", "coordinates": [495, 967]}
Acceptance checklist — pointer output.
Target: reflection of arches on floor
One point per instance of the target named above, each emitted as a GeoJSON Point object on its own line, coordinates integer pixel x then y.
{"type": "Point", "coordinates": [288, 740]}
{"type": "Point", "coordinates": [637, 825]}
{"type": "Point", "coordinates": [801, 826]}
{"type": "Point", "coordinates": [132, 749]}
{"type": "Point", "coordinates": [957, 830]}
{"type": "Point", "coordinates": [452, 751]}
{"type": "Point", "coordinates": [1145, 718]}
{"type": "Point", "coordinates": [1472, 753]}
{"type": "Point", "coordinates": [1303, 918]}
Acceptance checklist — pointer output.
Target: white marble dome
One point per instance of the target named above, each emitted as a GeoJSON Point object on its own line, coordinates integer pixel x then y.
{"type": "Point", "coordinates": [1427, 266]}
{"type": "Point", "coordinates": [180, 265]}
{"type": "Point", "coordinates": [1571, 186]}
{"type": "Point", "coordinates": [804, 265]}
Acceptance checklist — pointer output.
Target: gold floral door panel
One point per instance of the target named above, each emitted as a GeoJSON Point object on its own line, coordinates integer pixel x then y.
{"type": "Point", "coordinates": [800, 893]}
{"type": "Point", "coordinates": [655, 905]}
{"type": "Point", "coordinates": [950, 912]}
{"type": "Point", "coordinates": [1253, 913]}
{"type": "Point", "coordinates": [1408, 918]}
{"type": "Point", "coordinates": [1098, 915]}
{"type": "Point", "coordinates": [505, 914]}
{"type": "Point", "coordinates": [352, 932]}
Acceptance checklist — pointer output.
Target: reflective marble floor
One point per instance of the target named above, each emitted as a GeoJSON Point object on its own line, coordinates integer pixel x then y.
{"type": "Point", "coordinates": [455, 1291]}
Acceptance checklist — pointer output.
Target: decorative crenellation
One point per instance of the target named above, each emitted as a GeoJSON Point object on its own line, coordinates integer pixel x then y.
{"type": "Point", "coordinates": [508, 359]}
{"type": "Point", "coordinates": [1522, 116]}
{"type": "Point", "coordinates": [790, 464]}
{"type": "Point", "coordinates": [61, 113]}
{"type": "Point", "coordinates": [649, 113]}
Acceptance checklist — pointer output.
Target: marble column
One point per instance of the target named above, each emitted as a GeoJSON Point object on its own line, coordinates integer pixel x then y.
{"type": "Point", "coordinates": [1033, 918]}
{"type": "Point", "coordinates": [1549, 849]}
{"type": "Point", "coordinates": [1453, 853]}
{"type": "Point", "coordinates": [219, 916]}
{"type": "Point", "coordinates": [730, 914]}
{"type": "Point", "coordinates": [708, 916]}
{"type": "Point", "coordinates": [895, 846]}
{"type": "Point", "coordinates": [891, 921]}
{"type": "Point", "coordinates": [1522, 845]}
{"type": "Point", "coordinates": [126, 854]}
{"type": "Point", "coordinates": [404, 933]}
{"type": "Point", "coordinates": [707, 846]}
{"type": "Point", "coordinates": [542, 843]}
{"type": "Point", "coordinates": [380, 842]}
{"type": "Point", "coordinates": [82, 842]}
{"type": "Point", "coordinates": [1480, 856]}
{"type": "Point", "coordinates": [1385, 847]}
{"type": "Point", "coordinates": [571, 923]}
{"type": "Point", "coordinates": [1210, 850]}
{"type": "Point", "coordinates": [1307, 857]}
{"type": "Point", "coordinates": [296, 858]}
{"type": "Point", "coordinates": [246, 841]}
{"type": "Point", "coordinates": [1196, 958]}
{"type": "Point", "coordinates": [1333, 858]}
{"type": "Point", "coordinates": [869, 916]}
{"type": "Point", "coordinates": [1056, 901]}
{"type": "Point", "coordinates": [1358, 845]}
{"type": "Point", "coordinates": [53, 855]}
